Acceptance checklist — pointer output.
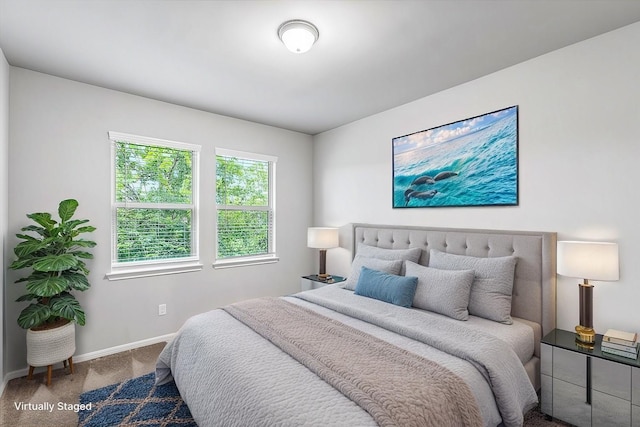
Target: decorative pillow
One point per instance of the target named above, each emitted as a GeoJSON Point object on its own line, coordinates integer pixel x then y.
{"type": "Point", "coordinates": [390, 267]}
{"type": "Point", "coordinates": [398, 290]}
{"type": "Point", "coordinates": [411, 254]}
{"type": "Point", "coordinates": [492, 286]}
{"type": "Point", "coordinates": [442, 291]}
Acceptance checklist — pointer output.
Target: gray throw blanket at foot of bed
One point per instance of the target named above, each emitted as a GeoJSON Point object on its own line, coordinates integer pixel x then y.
{"type": "Point", "coordinates": [396, 387]}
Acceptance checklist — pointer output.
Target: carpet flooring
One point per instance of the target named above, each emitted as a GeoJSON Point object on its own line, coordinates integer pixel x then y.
{"type": "Point", "coordinates": [65, 389]}
{"type": "Point", "coordinates": [108, 373]}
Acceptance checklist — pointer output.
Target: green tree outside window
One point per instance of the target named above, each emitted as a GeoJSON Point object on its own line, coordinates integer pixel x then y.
{"type": "Point", "coordinates": [154, 202]}
{"type": "Point", "coordinates": [245, 213]}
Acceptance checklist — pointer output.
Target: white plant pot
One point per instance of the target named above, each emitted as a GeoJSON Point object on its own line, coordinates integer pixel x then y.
{"type": "Point", "coordinates": [51, 346]}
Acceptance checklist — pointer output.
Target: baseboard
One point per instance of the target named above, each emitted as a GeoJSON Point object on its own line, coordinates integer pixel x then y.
{"type": "Point", "coordinates": [3, 384]}
{"type": "Point", "coordinates": [121, 348]}
{"type": "Point", "coordinates": [92, 355]}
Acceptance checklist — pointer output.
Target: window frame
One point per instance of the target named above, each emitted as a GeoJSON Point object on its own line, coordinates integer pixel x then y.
{"type": "Point", "coordinates": [244, 260]}
{"type": "Point", "coordinates": [147, 268]}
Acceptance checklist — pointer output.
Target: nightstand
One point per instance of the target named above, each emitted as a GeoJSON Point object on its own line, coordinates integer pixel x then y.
{"type": "Point", "coordinates": [586, 387]}
{"type": "Point", "coordinates": [314, 282]}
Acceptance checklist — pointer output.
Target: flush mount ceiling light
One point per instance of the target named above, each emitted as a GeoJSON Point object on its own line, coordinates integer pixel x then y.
{"type": "Point", "coordinates": [297, 35]}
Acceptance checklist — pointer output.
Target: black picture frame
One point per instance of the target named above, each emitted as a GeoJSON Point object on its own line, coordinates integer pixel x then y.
{"type": "Point", "coordinates": [470, 162]}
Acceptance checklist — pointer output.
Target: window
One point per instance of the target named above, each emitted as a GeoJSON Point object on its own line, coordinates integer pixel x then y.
{"type": "Point", "coordinates": [154, 206]}
{"type": "Point", "coordinates": [245, 218]}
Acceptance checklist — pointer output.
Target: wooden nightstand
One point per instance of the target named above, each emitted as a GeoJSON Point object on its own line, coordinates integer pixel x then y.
{"type": "Point", "coordinates": [587, 387]}
{"type": "Point", "coordinates": [314, 282]}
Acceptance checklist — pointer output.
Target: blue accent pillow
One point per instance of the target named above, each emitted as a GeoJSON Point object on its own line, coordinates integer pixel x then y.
{"type": "Point", "coordinates": [398, 290]}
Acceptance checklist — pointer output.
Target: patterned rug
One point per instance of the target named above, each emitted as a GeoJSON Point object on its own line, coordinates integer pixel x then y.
{"type": "Point", "coordinates": [135, 402]}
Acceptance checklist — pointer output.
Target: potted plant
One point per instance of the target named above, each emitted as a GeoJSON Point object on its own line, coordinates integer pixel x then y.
{"type": "Point", "coordinates": [55, 255]}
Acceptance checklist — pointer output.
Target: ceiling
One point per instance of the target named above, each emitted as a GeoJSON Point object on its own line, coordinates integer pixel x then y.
{"type": "Point", "coordinates": [225, 56]}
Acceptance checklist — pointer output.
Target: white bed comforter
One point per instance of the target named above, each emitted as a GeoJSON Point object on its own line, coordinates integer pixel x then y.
{"type": "Point", "coordinates": [230, 376]}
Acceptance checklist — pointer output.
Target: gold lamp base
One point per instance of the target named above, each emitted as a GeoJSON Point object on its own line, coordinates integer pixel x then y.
{"type": "Point", "coordinates": [585, 336]}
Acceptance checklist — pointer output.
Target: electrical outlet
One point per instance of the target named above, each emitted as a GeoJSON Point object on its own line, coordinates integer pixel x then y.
{"type": "Point", "coordinates": [162, 309]}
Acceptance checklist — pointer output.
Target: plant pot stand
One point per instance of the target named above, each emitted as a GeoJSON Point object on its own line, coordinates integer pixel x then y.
{"type": "Point", "coordinates": [51, 346]}
{"type": "Point", "coordinates": [50, 370]}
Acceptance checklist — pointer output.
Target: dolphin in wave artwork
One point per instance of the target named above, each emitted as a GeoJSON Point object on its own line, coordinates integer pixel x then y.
{"type": "Point", "coordinates": [444, 175]}
{"type": "Point", "coordinates": [425, 179]}
{"type": "Point", "coordinates": [412, 193]}
{"type": "Point", "coordinates": [423, 195]}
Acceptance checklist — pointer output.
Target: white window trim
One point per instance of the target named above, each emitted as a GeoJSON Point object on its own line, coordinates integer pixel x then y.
{"type": "Point", "coordinates": [242, 261]}
{"type": "Point", "coordinates": [122, 273]}
{"type": "Point", "coordinates": [145, 140]}
{"type": "Point", "coordinates": [245, 260]}
{"type": "Point", "coordinates": [130, 270]}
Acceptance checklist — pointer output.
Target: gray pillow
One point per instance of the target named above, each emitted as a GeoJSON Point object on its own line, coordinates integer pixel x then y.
{"type": "Point", "coordinates": [442, 291]}
{"type": "Point", "coordinates": [386, 266]}
{"type": "Point", "coordinates": [411, 254]}
{"type": "Point", "coordinates": [492, 286]}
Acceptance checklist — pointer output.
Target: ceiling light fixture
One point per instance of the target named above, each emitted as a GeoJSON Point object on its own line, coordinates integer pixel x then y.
{"type": "Point", "coordinates": [298, 35]}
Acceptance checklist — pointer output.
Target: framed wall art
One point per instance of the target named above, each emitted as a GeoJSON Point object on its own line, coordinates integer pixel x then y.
{"type": "Point", "coordinates": [471, 162]}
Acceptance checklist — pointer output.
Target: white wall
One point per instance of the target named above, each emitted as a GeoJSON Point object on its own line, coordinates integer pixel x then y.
{"type": "Point", "coordinates": [4, 178]}
{"type": "Point", "coordinates": [59, 149]}
{"type": "Point", "coordinates": [579, 145]}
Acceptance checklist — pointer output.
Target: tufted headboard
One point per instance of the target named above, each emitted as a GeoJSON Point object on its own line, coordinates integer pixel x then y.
{"type": "Point", "coordinates": [534, 289]}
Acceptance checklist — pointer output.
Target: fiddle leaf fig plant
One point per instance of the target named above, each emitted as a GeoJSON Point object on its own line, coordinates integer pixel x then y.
{"type": "Point", "coordinates": [55, 254]}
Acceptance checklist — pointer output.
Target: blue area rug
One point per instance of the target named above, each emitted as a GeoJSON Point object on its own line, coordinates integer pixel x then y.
{"type": "Point", "coordinates": [135, 402]}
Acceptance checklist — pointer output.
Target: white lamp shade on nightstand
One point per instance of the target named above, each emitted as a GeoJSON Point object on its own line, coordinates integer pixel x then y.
{"type": "Point", "coordinates": [322, 237]}
{"type": "Point", "coordinates": [588, 260]}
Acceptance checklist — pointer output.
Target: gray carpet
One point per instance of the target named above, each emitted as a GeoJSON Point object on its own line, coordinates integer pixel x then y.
{"type": "Point", "coordinates": [66, 388]}
{"type": "Point", "coordinates": [535, 418]}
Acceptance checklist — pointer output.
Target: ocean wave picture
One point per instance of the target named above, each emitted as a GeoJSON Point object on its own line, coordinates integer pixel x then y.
{"type": "Point", "coordinates": [471, 162]}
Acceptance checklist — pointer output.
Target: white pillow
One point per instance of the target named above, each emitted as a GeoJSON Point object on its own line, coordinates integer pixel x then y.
{"type": "Point", "coordinates": [492, 286]}
{"type": "Point", "coordinates": [386, 266]}
{"type": "Point", "coordinates": [442, 291]}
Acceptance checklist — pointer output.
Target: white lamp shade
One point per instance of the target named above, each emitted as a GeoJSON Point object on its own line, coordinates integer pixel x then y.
{"type": "Point", "coordinates": [298, 36]}
{"type": "Point", "coordinates": [588, 260]}
{"type": "Point", "coordinates": [322, 237]}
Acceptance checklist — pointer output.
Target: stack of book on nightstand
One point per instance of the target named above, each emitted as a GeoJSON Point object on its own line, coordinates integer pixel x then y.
{"type": "Point", "coordinates": [620, 343]}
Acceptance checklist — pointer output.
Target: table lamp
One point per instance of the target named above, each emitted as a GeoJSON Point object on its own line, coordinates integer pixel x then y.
{"type": "Point", "coordinates": [322, 238]}
{"type": "Point", "coordinates": [588, 261]}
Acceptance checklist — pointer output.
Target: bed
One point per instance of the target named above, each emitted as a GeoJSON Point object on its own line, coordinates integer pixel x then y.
{"type": "Point", "coordinates": [352, 355]}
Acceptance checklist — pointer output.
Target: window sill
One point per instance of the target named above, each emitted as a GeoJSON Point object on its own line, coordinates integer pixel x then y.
{"type": "Point", "coordinates": [135, 273]}
{"type": "Point", "coordinates": [241, 262]}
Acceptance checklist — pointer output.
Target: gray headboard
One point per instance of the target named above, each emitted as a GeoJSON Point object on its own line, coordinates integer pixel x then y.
{"type": "Point", "coordinates": [534, 290]}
